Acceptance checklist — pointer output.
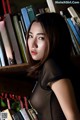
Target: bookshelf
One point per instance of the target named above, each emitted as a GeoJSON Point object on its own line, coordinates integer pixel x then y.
{"type": "Point", "coordinates": [13, 78]}
{"type": "Point", "coordinates": [60, 6]}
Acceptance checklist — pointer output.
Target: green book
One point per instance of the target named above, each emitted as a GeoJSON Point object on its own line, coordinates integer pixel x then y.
{"type": "Point", "coordinates": [31, 13]}
{"type": "Point", "coordinates": [20, 38]}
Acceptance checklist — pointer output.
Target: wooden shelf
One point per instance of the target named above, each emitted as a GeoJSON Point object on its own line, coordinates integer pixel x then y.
{"type": "Point", "coordinates": [14, 68]}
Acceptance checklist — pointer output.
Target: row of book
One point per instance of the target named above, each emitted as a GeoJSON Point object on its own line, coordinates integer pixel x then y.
{"type": "Point", "coordinates": [74, 27]}
{"type": "Point", "coordinates": [13, 30]}
{"type": "Point", "coordinates": [73, 23]}
{"type": "Point", "coordinates": [15, 107]}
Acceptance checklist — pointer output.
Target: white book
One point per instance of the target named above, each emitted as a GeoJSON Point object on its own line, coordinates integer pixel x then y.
{"type": "Point", "coordinates": [2, 56]}
{"type": "Point", "coordinates": [2, 61]}
{"type": "Point", "coordinates": [24, 114]}
{"type": "Point", "coordinates": [6, 42]}
{"type": "Point", "coordinates": [72, 12]}
{"type": "Point", "coordinates": [5, 115]}
{"type": "Point", "coordinates": [51, 5]}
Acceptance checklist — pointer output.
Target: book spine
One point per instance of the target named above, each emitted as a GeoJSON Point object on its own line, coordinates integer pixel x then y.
{"type": "Point", "coordinates": [3, 57]}
{"type": "Point", "coordinates": [13, 39]}
{"type": "Point", "coordinates": [25, 114]}
{"type": "Point", "coordinates": [73, 29]}
{"type": "Point", "coordinates": [20, 39]}
{"type": "Point", "coordinates": [31, 13]}
{"type": "Point", "coordinates": [4, 6]}
{"type": "Point", "coordinates": [7, 115]}
{"type": "Point", "coordinates": [25, 102]}
{"type": "Point", "coordinates": [8, 5]}
{"type": "Point", "coordinates": [25, 17]}
{"type": "Point", "coordinates": [74, 41]}
{"type": "Point", "coordinates": [6, 43]}
{"type": "Point", "coordinates": [76, 26]}
{"type": "Point", "coordinates": [51, 5]}
{"type": "Point", "coordinates": [72, 12]}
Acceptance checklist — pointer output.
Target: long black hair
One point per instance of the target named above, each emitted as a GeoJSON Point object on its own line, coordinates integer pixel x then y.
{"type": "Point", "coordinates": [59, 43]}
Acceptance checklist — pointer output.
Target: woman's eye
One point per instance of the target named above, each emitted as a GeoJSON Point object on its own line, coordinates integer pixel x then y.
{"type": "Point", "coordinates": [41, 38]}
{"type": "Point", "coordinates": [30, 36]}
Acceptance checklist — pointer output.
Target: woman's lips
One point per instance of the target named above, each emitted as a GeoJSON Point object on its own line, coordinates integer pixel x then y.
{"type": "Point", "coordinates": [33, 52]}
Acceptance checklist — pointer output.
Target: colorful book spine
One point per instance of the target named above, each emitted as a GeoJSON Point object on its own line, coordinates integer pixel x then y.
{"type": "Point", "coordinates": [72, 12]}
{"type": "Point", "coordinates": [4, 6]}
{"type": "Point", "coordinates": [8, 6]}
{"type": "Point", "coordinates": [74, 41]}
{"type": "Point", "coordinates": [73, 29]}
{"type": "Point", "coordinates": [25, 17]}
{"type": "Point", "coordinates": [7, 115]}
{"type": "Point", "coordinates": [3, 57]}
{"type": "Point", "coordinates": [31, 13]}
{"type": "Point", "coordinates": [13, 39]}
{"type": "Point", "coordinates": [25, 114]}
{"type": "Point", "coordinates": [51, 5]}
{"type": "Point", "coordinates": [77, 27]}
{"type": "Point", "coordinates": [19, 38]}
{"type": "Point", "coordinates": [6, 43]}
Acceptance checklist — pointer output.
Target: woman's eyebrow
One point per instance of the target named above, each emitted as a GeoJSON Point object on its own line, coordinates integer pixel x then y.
{"type": "Point", "coordinates": [38, 33]}
{"type": "Point", "coordinates": [30, 32]}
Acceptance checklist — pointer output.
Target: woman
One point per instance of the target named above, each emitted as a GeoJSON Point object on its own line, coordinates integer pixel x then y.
{"type": "Point", "coordinates": [48, 51]}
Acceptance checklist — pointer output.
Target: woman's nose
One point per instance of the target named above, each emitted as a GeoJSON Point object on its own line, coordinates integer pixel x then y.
{"type": "Point", "coordinates": [34, 44]}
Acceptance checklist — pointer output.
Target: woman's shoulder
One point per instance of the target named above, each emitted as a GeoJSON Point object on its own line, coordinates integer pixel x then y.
{"type": "Point", "coordinates": [51, 66]}
{"type": "Point", "coordinates": [50, 73]}
{"type": "Point", "coordinates": [51, 70]}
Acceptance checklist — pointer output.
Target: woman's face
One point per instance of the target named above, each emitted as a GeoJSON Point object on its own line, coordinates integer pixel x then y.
{"type": "Point", "coordinates": [37, 41]}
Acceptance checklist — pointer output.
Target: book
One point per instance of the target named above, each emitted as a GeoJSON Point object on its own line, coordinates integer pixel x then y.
{"type": "Point", "coordinates": [25, 114]}
{"type": "Point", "coordinates": [23, 24]}
{"type": "Point", "coordinates": [72, 12]}
{"type": "Point", "coordinates": [17, 116]}
{"type": "Point", "coordinates": [8, 6]}
{"type": "Point", "coordinates": [6, 43]}
{"type": "Point", "coordinates": [73, 29]}
{"type": "Point", "coordinates": [5, 115]}
{"type": "Point", "coordinates": [22, 29]}
{"type": "Point", "coordinates": [13, 39]}
{"type": "Point", "coordinates": [31, 13]}
{"type": "Point", "coordinates": [25, 102]}
{"type": "Point", "coordinates": [77, 27]}
{"type": "Point", "coordinates": [25, 16]}
{"type": "Point", "coordinates": [3, 57]}
{"type": "Point", "coordinates": [4, 6]}
{"type": "Point", "coordinates": [32, 114]}
{"type": "Point", "coordinates": [20, 39]}
{"type": "Point", "coordinates": [75, 44]}
{"type": "Point", "coordinates": [51, 5]}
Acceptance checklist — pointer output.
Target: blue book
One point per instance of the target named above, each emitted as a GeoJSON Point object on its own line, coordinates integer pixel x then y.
{"type": "Point", "coordinates": [31, 13]}
{"type": "Point", "coordinates": [77, 28]}
{"type": "Point", "coordinates": [73, 29]}
{"type": "Point", "coordinates": [25, 17]}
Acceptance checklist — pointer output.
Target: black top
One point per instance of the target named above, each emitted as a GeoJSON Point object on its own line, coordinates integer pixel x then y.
{"type": "Point", "coordinates": [43, 98]}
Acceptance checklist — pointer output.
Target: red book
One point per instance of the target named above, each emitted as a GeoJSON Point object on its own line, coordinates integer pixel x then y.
{"type": "Point", "coordinates": [8, 6]}
{"type": "Point", "coordinates": [4, 6]}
